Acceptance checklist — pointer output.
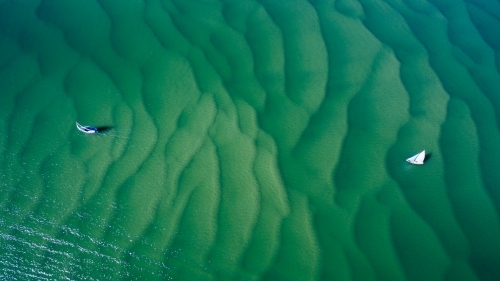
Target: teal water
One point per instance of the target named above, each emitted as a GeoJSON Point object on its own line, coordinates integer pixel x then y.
{"type": "Point", "coordinates": [249, 140]}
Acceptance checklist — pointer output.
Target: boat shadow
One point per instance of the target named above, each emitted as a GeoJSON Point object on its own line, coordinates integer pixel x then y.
{"type": "Point", "coordinates": [103, 129]}
{"type": "Point", "coordinates": [427, 156]}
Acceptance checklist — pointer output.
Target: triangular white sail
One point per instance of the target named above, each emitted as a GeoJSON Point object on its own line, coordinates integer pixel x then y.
{"type": "Point", "coordinates": [417, 159]}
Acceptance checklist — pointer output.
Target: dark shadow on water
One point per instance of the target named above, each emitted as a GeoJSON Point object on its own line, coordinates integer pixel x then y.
{"type": "Point", "coordinates": [103, 129]}
{"type": "Point", "coordinates": [427, 156]}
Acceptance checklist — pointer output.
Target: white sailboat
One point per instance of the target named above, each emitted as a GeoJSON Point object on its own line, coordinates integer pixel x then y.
{"type": "Point", "coordinates": [417, 159]}
{"type": "Point", "coordinates": [86, 129]}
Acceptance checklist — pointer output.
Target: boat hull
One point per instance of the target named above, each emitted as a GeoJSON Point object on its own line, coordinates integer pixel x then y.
{"type": "Point", "coordinates": [86, 129]}
{"type": "Point", "coordinates": [414, 162]}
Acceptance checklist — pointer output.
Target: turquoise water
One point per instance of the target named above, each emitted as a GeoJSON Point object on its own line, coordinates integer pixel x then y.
{"type": "Point", "coordinates": [249, 140]}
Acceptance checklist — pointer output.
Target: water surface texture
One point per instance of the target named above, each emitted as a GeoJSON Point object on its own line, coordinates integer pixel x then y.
{"type": "Point", "coordinates": [250, 140]}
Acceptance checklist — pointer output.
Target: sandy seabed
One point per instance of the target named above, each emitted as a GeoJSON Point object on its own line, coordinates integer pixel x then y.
{"type": "Point", "coordinates": [250, 140]}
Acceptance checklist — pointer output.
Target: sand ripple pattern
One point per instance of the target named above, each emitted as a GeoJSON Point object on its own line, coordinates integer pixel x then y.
{"type": "Point", "coordinates": [250, 140]}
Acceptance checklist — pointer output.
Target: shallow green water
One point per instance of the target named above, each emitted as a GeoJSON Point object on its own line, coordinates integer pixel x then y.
{"type": "Point", "coordinates": [249, 140]}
